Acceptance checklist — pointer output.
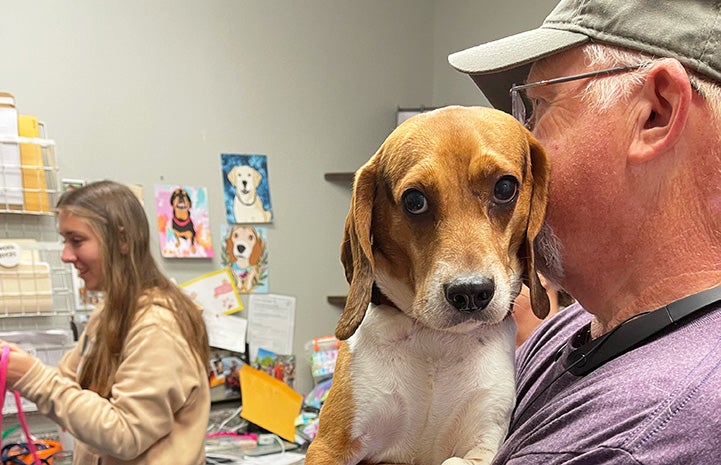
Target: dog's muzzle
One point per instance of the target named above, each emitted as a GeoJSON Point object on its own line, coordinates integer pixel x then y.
{"type": "Point", "coordinates": [469, 294]}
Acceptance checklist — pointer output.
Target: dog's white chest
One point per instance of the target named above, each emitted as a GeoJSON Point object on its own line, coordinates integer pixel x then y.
{"type": "Point", "coordinates": [250, 213]}
{"type": "Point", "coordinates": [424, 395]}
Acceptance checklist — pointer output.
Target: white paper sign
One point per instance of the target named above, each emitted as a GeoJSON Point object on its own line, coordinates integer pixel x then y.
{"type": "Point", "coordinates": [9, 254]}
{"type": "Point", "coordinates": [271, 322]}
{"type": "Point", "coordinates": [226, 331]}
{"type": "Point", "coordinates": [217, 294]}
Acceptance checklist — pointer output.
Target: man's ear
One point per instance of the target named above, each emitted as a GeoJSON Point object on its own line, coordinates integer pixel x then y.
{"type": "Point", "coordinates": [664, 103]}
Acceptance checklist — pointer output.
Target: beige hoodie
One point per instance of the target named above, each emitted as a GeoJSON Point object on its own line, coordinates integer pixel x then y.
{"type": "Point", "coordinates": [158, 409]}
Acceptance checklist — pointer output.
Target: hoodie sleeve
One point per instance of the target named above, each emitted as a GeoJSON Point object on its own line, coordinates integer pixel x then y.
{"type": "Point", "coordinates": [158, 374]}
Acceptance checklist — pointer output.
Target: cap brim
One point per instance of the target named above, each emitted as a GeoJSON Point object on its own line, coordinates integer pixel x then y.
{"type": "Point", "coordinates": [495, 66]}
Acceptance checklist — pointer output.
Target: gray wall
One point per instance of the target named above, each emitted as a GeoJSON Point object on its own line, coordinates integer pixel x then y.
{"type": "Point", "coordinates": [151, 92]}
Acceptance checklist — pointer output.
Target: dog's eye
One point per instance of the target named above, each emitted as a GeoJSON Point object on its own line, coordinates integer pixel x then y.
{"type": "Point", "coordinates": [414, 201]}
{"type": "Point", "coordinates": [505, 190]}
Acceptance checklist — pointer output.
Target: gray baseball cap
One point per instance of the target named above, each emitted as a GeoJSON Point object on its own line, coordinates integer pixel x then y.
{"type": "Point", "coordinates": [688, 30]}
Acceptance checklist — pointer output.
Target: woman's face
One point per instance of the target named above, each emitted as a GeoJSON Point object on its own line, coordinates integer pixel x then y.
{"type": "Point", "coordinates": [82, 249]}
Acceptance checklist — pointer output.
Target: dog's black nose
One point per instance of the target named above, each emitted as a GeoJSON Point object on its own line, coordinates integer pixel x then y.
{"type": "Point", "coordinates": [469, 294]}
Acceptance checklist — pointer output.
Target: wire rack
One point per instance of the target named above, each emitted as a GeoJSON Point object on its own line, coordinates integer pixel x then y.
{"type": "Point", "coordinates": [40, 296]}
{"type": "Point", "coordinates": [36, 283]}
{"type": "Point", "coordinates": [28, 175]}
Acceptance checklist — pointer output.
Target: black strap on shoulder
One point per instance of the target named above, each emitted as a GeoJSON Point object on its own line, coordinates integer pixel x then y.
{"type": "Point", "coordinates": [623, 338]}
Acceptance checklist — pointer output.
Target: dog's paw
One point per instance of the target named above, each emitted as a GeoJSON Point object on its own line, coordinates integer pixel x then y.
{"type": "Point", "coordinates": [477, 456]}
{"type": "Point", "coordinates": [458, 461]}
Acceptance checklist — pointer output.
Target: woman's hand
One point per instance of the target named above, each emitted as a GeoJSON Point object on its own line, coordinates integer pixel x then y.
{"type": "Point", "coordinates": [19, 362]}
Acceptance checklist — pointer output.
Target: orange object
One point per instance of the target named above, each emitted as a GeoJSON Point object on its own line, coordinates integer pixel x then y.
{"type": "Point", "coordinates": [20, 453]}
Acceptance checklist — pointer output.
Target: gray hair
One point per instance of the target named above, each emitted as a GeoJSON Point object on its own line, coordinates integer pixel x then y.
{"type": "Point", "coordinates": [601, 93]}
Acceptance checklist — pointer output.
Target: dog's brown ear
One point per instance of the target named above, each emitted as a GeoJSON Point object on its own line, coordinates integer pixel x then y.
{"type": "Point", "coordinates": [257, 251]}
{"type": "Point", "coordinates": [229, 246]}
{"type": "Point", "coordinates": [540, 172]}
{"type": "Point", "coordinates": [356, 252]}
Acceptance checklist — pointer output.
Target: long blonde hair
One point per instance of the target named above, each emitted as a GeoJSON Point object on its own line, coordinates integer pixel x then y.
{"type": "Point", "coordinates": [115, 214]}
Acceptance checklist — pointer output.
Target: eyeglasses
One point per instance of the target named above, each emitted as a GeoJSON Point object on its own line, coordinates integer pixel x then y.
{"type": "Point", "coordinates": [522, 107]}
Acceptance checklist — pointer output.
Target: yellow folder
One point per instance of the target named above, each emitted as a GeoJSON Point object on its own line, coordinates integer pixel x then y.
{"type": "Point", "coordinates": [35, 191]}
{"type": "Point", "coordinates": [269, 402]}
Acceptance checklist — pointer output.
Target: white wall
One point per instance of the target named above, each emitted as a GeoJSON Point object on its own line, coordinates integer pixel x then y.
{"type": "Point", "coordinates": [459, 24]}
{"type": "Point", "coordinates": [152, 91]}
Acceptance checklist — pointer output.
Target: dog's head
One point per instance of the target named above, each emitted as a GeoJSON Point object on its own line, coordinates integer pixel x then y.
{"type": "Point", "coordinates": [245, 179]}
{"type": "Point", "coordinates": [443, 219]}
{"type": "Point", "coordinates": [180, 201]}
{"type": "Point", "coordinates": [244, 243]}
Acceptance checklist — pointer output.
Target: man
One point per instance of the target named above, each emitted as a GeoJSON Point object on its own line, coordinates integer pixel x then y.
{"type": "Point", "coordinates": [631, 122]}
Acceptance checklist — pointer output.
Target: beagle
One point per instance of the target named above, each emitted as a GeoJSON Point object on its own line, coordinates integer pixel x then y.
{"type": "Point", "coordinates": [247, 205]}
{"type": "Point", "coordinates": [245, 248]}
{"type": "Point", "coordinates": [437, 243]}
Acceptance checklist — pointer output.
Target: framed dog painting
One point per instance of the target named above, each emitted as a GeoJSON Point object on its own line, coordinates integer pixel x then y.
{"type": "Point", "coordinates": [246, 188]}
{"type": "Point", "coordinates": [245, 253]}
{"type": "Point", "coordinates": [183, 222]}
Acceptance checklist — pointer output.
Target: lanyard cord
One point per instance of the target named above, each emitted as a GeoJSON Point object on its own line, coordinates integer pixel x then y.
{"type": "Point", "coordinates": [18, 403]}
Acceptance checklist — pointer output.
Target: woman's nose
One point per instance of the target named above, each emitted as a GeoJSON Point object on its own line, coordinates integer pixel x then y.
{"type": "Point", "coordinates": [67, 256]}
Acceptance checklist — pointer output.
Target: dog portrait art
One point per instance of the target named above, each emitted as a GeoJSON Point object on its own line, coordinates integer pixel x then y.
{"type": "Point", "coordinates": [245, 184]}
{"type": "Point", "coordinates": [183, 223]}
{"type": "Point", "coordinates": [245, 253]}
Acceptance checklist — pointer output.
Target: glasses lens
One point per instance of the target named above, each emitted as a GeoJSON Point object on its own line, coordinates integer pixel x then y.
{"type": "Point", "coordinates": [518, 109]}
{"type": "Point", "coordinates": [521, 107]}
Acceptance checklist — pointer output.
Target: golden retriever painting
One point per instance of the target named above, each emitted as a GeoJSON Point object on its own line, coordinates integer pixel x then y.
{"type": "Point", "coordinates": [245, 181]}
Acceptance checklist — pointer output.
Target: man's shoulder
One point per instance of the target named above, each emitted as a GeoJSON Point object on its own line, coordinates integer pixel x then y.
{"type": "Point", "coordinates": [551, 336]}
{"type": "Point", "coordinates": [649, 402]}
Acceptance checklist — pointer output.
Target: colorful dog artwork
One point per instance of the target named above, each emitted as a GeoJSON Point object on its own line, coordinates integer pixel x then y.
{"type": "Point", "coordinates": [183, 223]}
{"type": "Point", "coordinates": [245, 184]}
{"type": "Point", "coordinates": [246, 254]}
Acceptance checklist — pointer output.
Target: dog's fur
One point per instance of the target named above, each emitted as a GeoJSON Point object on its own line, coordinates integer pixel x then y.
{"type": "Point", "coordinates": [247, 206]}
{"type": "Point", "coordinates": [245, 248]}
{"type": "Point", "coordinates": [182, 224]}
{"type": "Point", "coordinates": [425, 375]}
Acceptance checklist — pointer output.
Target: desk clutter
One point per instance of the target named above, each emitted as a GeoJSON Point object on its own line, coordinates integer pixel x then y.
{"type": "Point", "coordinates": [233, 440]}
{"type": "Point", "coordinates": [274, 424]}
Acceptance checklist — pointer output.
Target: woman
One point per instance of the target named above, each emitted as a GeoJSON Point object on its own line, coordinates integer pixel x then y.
{"type": "Point", "coordinates": [134, 390]}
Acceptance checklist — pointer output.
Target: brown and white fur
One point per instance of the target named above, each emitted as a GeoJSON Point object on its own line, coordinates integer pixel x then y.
{"type": "Point", "coordinates": [245, 248]}
{"type": "Point", "coordinates": [425, 375]}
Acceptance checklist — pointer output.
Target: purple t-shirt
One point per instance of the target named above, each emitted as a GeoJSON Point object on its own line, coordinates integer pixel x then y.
{"type": "Point", "coordinates": [660, 403]}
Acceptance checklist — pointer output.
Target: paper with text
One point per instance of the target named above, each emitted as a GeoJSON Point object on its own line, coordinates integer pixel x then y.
{"type": "Point", "coordinates": [271, 322]}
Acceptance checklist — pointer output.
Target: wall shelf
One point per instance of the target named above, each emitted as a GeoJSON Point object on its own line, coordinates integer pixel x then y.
{"type": "Point", "coordinates": [339, 177]}
{"type": "Point", "coordinates": [337, 300]}
{"type": "Point", "coordinates": [346, 178]}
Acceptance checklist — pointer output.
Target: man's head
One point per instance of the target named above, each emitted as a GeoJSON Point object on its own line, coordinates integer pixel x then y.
{"type": "Point", "coordinates": [630, 149]}
{"type": "Point", "coordinates": [689, 31]}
